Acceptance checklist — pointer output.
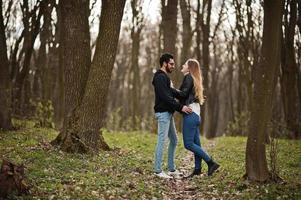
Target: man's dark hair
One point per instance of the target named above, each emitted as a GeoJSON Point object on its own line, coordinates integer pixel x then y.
{"type": "Point", "coordinates": [165, 58]}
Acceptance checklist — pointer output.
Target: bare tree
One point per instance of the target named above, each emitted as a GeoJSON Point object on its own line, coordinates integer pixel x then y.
{"type": "Point", "coordinates": [169, 30]}
{"type": "Point", "coordinates": [81, 133]}
{"type": "Point", "coordinates": [137, 25]}
{"type": "Point", "coordinates": [289, 71]}
{"type": "Point", "coordinates": [187, 32]}
{"type": "Point", "coordinates": [212, 93]}
{"type": "Point", "coordinates": [5, 84]}
{"type": "Point", "coordinates": [265, 77]}
{"type": "Point", "coordinates": [74, 60]}
{"type": "Point", "coordinates": [31, 22]}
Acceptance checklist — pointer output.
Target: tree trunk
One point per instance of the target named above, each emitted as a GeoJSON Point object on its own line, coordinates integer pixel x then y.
{"type": "Point", "coordinates": [137, 21]}
{"type": "Point", "coordinates": [169, 26]}
{"type": "Point", "coordinates": [5, 86]}
{"type": "Point", "coordinates": [82, 127]}
{"type": "Point", "coordinates": [75, 54]}
{"type": "Point", "coordinates": [289, 75]}
{"type": "Point", "coordinates": [198, 24]}
{"type": "Point", "coordinates": [169, 22]}
{"type": "Point", "coordinates": [265, 76]}
{"type": "Point", "coordinates": [59, 102]}
{"type": "Point", "coordinates": [169, 29]}
{"type": "Point", "coordinates": [187, 32]}
{"type": "Point", "coordinates": [213, 104]}
{"type": "Point", "coordinates": [213, 95]}
{"type": "Point", "coordinates": [247, 53]}
{"type": "Point", "coordinates": [31, 24]}
{"type": "Point", "coordinates": [206, 56]}
{"type": "Point", "coordinates": [45, 40]}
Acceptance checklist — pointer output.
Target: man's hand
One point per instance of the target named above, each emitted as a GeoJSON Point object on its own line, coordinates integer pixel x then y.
{"type": "Point", "coordinates": [186, 109]}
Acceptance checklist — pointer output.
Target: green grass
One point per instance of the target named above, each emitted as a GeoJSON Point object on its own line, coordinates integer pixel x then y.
{"type": "Point", "coordinates": [126, 172]}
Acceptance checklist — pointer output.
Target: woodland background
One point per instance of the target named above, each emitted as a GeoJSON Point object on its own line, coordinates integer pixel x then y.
{"type": "Point", "coordinates": [82, 70]}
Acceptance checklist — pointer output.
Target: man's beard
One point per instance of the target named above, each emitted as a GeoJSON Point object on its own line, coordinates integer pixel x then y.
{"type": "Point", "coordinates": [169, 69]}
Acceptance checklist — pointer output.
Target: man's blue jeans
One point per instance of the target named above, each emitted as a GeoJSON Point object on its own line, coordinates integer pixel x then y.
{"type": "Point", "coordinates": [191, 137]}
{"type": "Point", "coordinates": [166, 128]}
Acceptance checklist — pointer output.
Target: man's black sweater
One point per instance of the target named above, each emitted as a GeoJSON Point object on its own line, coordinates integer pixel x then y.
{"type": "Point", "coordinates": [164, 99]}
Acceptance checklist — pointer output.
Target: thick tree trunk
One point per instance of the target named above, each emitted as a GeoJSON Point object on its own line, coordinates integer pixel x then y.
{"type": "Point", "coordinates": [82, 131]}
{"type": "Point", "coordinates": [75, 55]}
{"type": "Point", "coordinates": [265, 77]}
{"type": "Point", "coordinates": [169, 26]}
{"type": "Point", "coordinates": [5, 84]}
{"type": "Point", "coordinates": [169, 29]}
{"type": "Point", "coordinates": [169, 23]}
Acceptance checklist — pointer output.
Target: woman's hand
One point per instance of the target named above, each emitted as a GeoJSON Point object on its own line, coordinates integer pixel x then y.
{"type": "Point", "coordinates": [171, 84]}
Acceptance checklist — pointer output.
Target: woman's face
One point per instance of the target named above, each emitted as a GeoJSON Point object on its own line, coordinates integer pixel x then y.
{"type": "Point", "coordinates": [185, 68]}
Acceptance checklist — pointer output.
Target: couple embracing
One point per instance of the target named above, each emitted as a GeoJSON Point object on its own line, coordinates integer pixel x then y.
{"type": "Point", "coordinates": [186, 100]}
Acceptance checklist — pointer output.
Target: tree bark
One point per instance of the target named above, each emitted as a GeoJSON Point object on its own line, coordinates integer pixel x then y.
{"type": "Point", "coordinates": [5, 83]}
{"type": "Point", "coordinates": [169, 29]}
{"type": "Point", "coordinates": [75, 54]}
{"type": "Point", "coordinates": [169, 22]}
{"type": "Point", "coordinates": [82, 131]}
{"type": "Point", "coordinates": [265, 77]}
{"type": "Point", "coordinates": [289, 75]}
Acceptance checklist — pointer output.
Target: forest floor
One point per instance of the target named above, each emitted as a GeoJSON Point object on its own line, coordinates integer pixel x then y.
{"type": "Point", "coordinates": [126, 172]}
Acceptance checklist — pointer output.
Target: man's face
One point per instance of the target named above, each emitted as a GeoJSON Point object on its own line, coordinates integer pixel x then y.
{"type": "Point", "coordinates": [170, 66]}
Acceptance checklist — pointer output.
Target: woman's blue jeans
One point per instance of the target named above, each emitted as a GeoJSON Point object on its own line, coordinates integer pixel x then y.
{"type": "Point", "coordinates": [166, 128]}
{"type": "Point", "coordinates": [191, 137]}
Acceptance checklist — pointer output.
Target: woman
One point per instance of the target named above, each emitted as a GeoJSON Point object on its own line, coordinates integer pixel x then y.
{"type": "Point", "coordinates": [191, 94]}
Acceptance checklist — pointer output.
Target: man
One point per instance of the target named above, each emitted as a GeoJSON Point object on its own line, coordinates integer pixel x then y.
{"type": "Point", "coordinates": [165, 106]}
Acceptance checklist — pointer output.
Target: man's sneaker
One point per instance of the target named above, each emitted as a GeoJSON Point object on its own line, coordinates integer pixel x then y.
{"type": "Point", "coordinates": [163, 175]}
{"type": "Point", "coordinates": [175, 173]}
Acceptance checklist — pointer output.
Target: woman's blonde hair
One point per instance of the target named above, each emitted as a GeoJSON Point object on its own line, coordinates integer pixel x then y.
{"type": "Point", "coordinates": [195, 71]}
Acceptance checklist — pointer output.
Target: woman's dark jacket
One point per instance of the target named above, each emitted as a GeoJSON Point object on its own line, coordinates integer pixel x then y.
{"type": "Point", "coordinates": [186, 93]}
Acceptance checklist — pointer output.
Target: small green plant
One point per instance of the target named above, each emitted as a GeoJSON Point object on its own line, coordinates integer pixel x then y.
{"type": "Point", "coordinates": [44, 114]}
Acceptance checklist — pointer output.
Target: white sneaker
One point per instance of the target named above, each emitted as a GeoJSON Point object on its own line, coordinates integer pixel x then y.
{"type": "Point", "coordinates": [176, 174]}
{"type": "Point", "coordinates": [163, 175]}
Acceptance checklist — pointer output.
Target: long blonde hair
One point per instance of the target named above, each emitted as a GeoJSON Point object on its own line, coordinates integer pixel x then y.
{"type": "Point", "coordinates": [195, 71]}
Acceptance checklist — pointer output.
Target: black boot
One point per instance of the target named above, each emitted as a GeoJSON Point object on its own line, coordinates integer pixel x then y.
{"type": "Point", "coordinates": [195, 172]}
{"type": "Point", "coordinates": [212, 167]}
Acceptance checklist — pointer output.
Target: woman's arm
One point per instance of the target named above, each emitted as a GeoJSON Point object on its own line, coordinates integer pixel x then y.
{"type": "Point", "coordinates": [185, 88]}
